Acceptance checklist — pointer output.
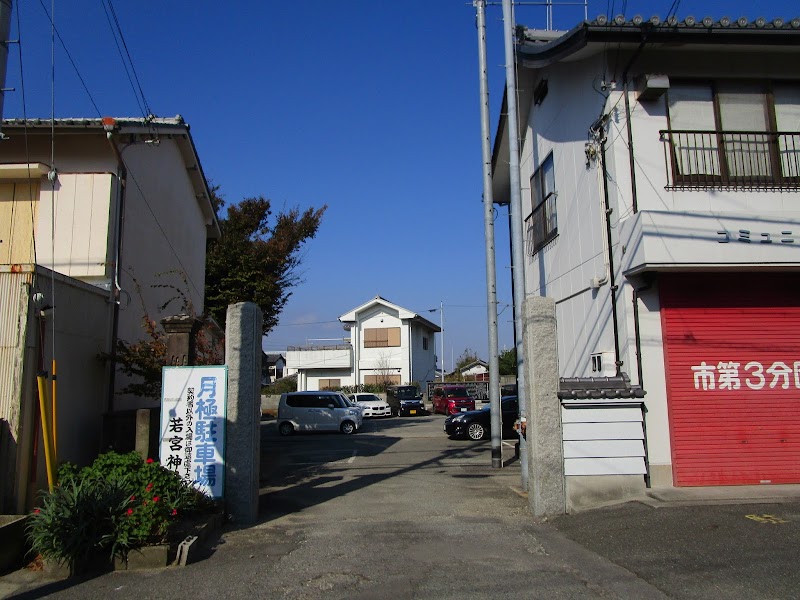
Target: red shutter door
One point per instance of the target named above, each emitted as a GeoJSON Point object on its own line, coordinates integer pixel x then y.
{"type": "Point", "coordinates": [732, 358]}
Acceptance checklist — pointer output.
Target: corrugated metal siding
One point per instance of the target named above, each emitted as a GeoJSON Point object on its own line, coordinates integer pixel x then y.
{"type": "Point", "coordinates": [603, 440]}
{"type": "Point", "coordinates": [14, 291]}
{"type": "Point", "coordinates": [732, 353]}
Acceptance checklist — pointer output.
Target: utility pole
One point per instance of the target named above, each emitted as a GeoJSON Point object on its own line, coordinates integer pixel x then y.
{"type": "Point", "coordinates": [515, 213]}
{"type": "Point", "coordinates": [5, 30]}
{"type": "Point", "coordinates": [488, 228]}
{"type": "Point", "coordinates": [441, 326]}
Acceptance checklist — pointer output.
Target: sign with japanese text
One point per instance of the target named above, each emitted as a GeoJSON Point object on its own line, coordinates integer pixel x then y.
{"type": "Point", "coordinates": [733, 375]}
{"type": "Point", "coordinates": [192, 442]}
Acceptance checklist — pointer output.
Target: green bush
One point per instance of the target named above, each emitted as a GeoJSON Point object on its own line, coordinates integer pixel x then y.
{"type": "Point", "coordinates": [118, 503]}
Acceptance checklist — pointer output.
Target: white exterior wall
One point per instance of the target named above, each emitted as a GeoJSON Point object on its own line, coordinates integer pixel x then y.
{"type": "Point", "coordinates": [423, 362]}
{"type": "Point", "coordinates": [164, 227]}
{"type": "Point", "coordinates": [564, 268]}
{"type": "Point", "coordinates": [394, 359]}
{"type": "Point", "coordinates": [673, 229]}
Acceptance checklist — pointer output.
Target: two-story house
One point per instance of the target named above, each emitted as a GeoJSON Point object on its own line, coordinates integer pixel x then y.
{"type": "Point", "coordinates": [660, 174]}
{"type": "Point", "coordinates": [388, 344]}
{"type": "Point", "coordinates": [101, 222]}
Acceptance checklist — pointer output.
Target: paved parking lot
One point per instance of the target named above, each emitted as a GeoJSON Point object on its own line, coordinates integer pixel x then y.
{"type": "Point", "coordinates": [398, 510]}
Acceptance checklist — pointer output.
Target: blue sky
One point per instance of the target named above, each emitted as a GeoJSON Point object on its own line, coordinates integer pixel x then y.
{"type": "Point", "coordinates": [368, 106]}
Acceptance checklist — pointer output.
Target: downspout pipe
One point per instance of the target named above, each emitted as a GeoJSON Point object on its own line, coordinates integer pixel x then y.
{"type": "Point", "coordinates": [634, 198]}
{"type": "Point", "coordinates": [610, 249]}
{"type": "Point", "coordinates": [122, 174]}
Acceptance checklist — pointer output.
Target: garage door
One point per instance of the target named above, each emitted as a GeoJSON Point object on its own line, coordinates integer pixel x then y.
{"type": "Point", "coordinates": [732, 354]}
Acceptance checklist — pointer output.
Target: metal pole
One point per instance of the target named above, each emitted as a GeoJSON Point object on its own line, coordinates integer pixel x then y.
{"type": "Point", "coordinates": [441, 326]}
{"type": "Point", "coordinates": [515, 210]}
{"type": "Point", "coordinates": [5, 30]}
{"type": "Point", "coordinates": [488, 228]}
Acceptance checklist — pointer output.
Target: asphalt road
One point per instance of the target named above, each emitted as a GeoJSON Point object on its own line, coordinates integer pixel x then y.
{"type": "Point", "coordinates": [400, 511]}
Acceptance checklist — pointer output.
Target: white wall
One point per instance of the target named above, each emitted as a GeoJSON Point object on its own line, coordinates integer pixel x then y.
{"type": "Point", "coordinates": [564, 269]}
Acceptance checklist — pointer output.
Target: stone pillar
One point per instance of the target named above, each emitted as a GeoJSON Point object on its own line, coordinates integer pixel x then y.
{"type": "Point", "coordinates": [546, 493]}
{"type": "Point", "coordinates": [243, 437]}
{"type": "Point", "coordinates": [181, 331]}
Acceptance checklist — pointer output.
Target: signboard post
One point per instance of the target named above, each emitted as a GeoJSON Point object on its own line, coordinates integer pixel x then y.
{"type": "Point", "coordinates": [192, 432]}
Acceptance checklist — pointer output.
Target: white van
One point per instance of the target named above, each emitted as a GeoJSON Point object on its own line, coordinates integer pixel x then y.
{"type": "Point", "coordinates": [317, 411]}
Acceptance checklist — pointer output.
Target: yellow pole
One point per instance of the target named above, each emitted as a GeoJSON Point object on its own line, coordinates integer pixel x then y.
{"type": "Point", "coordinates": [54, 414]}
{"type": "Point", "coordinates": [51, 477]}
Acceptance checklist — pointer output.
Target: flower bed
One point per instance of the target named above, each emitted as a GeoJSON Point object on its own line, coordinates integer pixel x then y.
{"type": "Point", "coordinates": [107, 513]}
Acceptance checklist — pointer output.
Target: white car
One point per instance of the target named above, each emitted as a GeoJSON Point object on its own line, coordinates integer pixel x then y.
{"type": "Point", "coordinates": [371, 405]}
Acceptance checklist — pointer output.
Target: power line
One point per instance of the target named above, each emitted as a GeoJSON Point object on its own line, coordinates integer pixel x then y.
{"type": "Point", "coordinates": [116, 31]}
{"type": "Point", "coordinates": [69, 56]}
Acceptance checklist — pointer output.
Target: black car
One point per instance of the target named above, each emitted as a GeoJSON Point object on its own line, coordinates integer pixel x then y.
{"type": "Point", "coordinates": [476, 424]}
{"type": "Point", "coordinates": [405, 400]}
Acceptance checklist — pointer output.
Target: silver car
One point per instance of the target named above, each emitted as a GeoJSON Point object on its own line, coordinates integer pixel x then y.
{"type": "Point", "coordinates": [317, 411]}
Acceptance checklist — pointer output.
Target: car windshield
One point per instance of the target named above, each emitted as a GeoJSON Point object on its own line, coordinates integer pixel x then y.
{"type": "Point", "coordinates": [408, 393]}
{"type": "Point", "coordinates": [456, 393]}
{"type": "Point", "coordinates": [368, 398]}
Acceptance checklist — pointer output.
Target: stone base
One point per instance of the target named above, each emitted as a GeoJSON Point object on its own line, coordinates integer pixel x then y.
{"type": "Point", "coordinates": [13, 545]}
{"type": "Point", "coordinates": [590, 491]}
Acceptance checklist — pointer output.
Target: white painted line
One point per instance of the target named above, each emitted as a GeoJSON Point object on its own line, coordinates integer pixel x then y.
{"type": "Point", "coordinates": [352, 458]}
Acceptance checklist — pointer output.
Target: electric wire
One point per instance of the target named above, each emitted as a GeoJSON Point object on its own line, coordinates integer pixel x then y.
{"type": "Point", "coordinates": [117, 33]}
{"type": "Point", "coordinates": [69, 56]}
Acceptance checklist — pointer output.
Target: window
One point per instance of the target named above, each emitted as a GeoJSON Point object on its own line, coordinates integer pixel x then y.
{"type": "Point", "coordinates": [541, 225]}
{"type": "Point", "coordinates": [734, 133]}
{"type": "Point", "coordinates": [330, 384]}
{"type": "Point", "coordinates": [381, 379]}
{"type": "Point", "coordinates": [424, 343]}
{"type": "Point", "coordinates": [385, 337]}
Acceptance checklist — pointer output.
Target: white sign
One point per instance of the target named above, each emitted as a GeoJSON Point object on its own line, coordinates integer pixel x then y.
{"type": "Point", "coordinates": [732, 375]}
{"type": "Point", "coordinates": [193, 401]}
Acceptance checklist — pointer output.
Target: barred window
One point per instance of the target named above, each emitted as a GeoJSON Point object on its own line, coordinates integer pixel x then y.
{"type": "Point", "coordinates": [541, 225]}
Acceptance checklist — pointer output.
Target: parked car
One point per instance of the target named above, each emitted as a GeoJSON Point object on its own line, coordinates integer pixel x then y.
{"type": "Point", "coordinates": [317, 411]}
{"type": "Point", "coordinates": [476, 424]}
{"type": "Point", "coordinates": [405, 400]}
{"type": "Point", "coordinates": [451, 399]}
{"type": "Point", "coordinates": [372, 405]}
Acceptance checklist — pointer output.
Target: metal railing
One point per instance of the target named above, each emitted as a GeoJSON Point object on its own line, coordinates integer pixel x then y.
{"type": "Point", "coordinates": [731, 159]}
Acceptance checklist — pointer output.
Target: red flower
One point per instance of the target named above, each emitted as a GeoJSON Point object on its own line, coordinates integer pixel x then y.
{"type": "Point", "coordinates": [174, 511]}
{"type": "Point", "coordinates": [130, 511]}
{"type": "Point", "coordinates": [149, 460]}
{"type": "Point", "coordinates": [155, 498]}
{"type": "Point", "coordinates": [149, 487]}
{"type": "Point", "coordinates": [36, 511]}
{"type": "Point", "coordinates": [132, 498]}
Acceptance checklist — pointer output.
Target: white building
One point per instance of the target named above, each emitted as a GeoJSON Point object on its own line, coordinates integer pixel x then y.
{"type": "Point", "coordinates": [660, 170]}
{"type": "Point", "coordinates": [95, 237]}
{"type": "Point", "coordinates": [388, 344]}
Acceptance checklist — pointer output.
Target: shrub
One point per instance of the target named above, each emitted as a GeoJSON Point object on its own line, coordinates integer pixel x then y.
{"type": "Point", "coordinates": [118, 503]}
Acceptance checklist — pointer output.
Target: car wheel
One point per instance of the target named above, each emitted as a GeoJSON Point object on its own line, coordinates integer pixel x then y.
{"type": "Point", "coordinates": [476, 431]}
{"type": "Point", "coordinates": [348, 427]}
{"type": "Point", "coordinates": [286, 428]}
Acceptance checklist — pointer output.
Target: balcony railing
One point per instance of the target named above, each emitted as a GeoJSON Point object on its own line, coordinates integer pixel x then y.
{"type": "Point", "coordinates": [731, 159]}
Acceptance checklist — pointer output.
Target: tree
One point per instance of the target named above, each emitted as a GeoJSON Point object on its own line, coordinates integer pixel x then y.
{"type": "Point", "coordinates": [508, 362]}
{"type": "Point", "coordinates": [257, 257]}
{"type": "Point", "coordinates": [467, 357]}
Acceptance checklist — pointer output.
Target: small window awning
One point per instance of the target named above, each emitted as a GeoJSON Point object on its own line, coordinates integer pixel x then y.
{"type": "Point", "coordinates": [23, 170]}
